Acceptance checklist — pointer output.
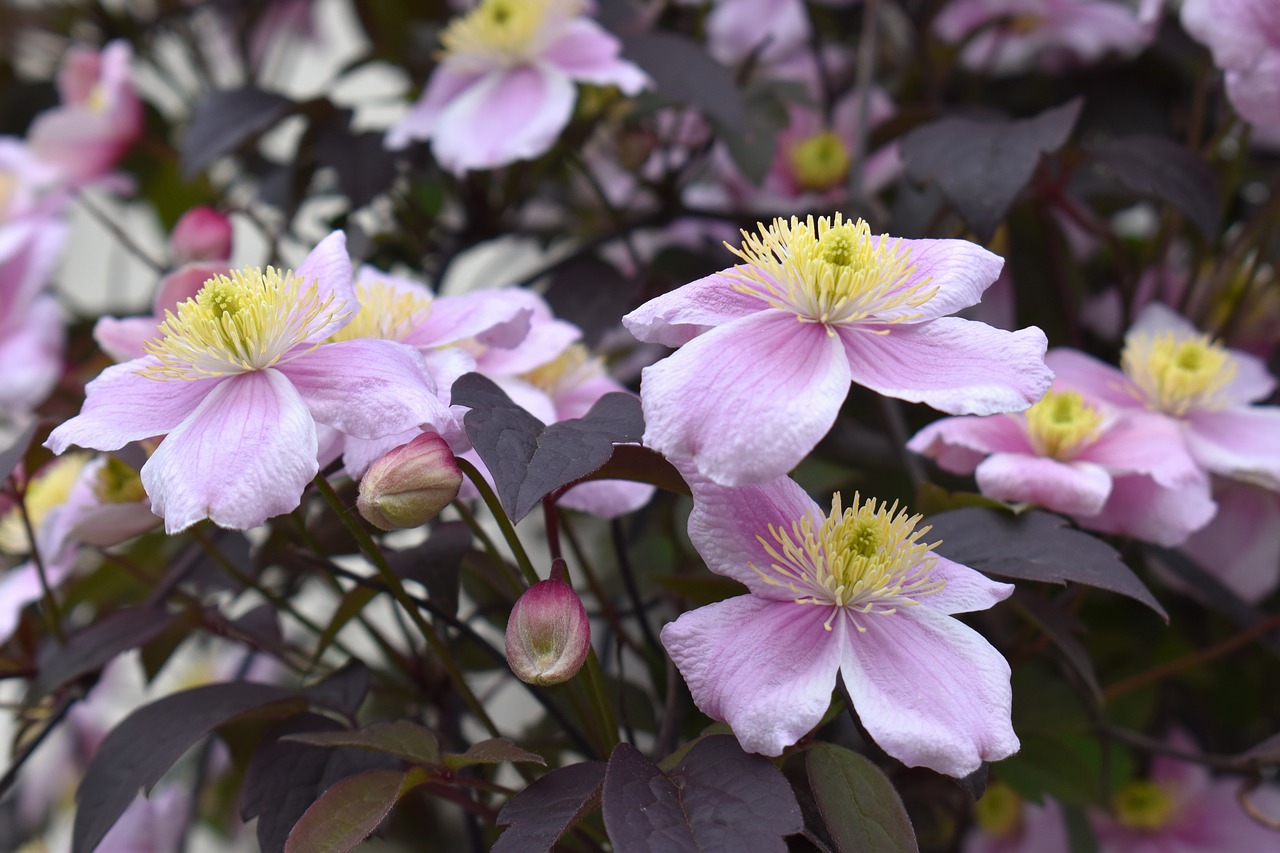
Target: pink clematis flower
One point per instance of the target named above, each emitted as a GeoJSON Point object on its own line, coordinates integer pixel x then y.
{"type": "Point", "coordinates": [504, 90]}
{"type": "Point", "coordinates": [853, 593]}
{"type": "Point", "coordinates": [1244, 36]}
{"type": "Point", "coordinates": [237, 384]}
{"type": "Point", "coordinates": [771, 345]}
{"type": "Point", "coordinates": [1241, 545]}
{"type": "Point", "coordinates": [769, 30]}
{"type": "Point", "coordinates": [32, 332]}
{"type": "Point", "coordinates": [1006, 823]}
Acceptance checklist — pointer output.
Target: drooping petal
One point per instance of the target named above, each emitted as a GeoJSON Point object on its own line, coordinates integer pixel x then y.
{"type": "Point", "coordinates": [959, 444]}
{"type": "Point", "coordinates": [589, 54]}
{"type": "Point", "coordinates": [1243, 443]}
{"type": "Point", "coordinates": [957, 366]}
{"type": "Point", "coordinates": [966, 590]}
{"type": "Point", "coordinates": [930, 690]}
{"type": "Point", "coordinates": [1144, 443]}
{"type": "Point", "coordinates": [1140, 507]}
{"type": "Point", "coordinates": [244, 455]}
{"type": "Point", "coordinates": [1077, 371]}
{"type": "Point", "coordinates": [1241, 544]}
{"type": "Point", "coordinates": [1075, 488]}
{"type": "Point", "coordinates": [958, 271]}
{"type": "Point", "coordinates": [766, 668]}
{"type": "Point", "coordinates": [747, 400]}
{"type": "Point", "coordinates": [329, 265]}
{"type": "Point", "coordinates": [368, 388]}
{"type": "Point", "coordinates": [678, 317]}
{"type": "Point", "coordinates": [121, 406]}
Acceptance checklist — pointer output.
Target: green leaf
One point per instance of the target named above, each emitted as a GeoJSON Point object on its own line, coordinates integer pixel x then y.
{"type": "Point", "coordinates": [351, 810]}
{"type": "Point", "coordinates": [858, 803]}
{"type": "Point", "coordinates": [401, 738]}
{"type": "Point", "coordinates": [492, 751]}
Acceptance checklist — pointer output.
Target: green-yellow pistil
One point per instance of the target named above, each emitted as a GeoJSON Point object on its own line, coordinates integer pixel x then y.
{"type": "Point", "coordinates": [1144, 805]}
{"type": "Point", "coordinates": [863, 559]}
{"type": "Point", "coordinates": [999, 812]}
{"type": "Point", "coordinates": [830, 271]}
{"type": "Point", "coordinates": [386, 313]}
{"type": "Point", "coordinates": [1175, 373]}
{"type": "Point", "coordinates": [45, 492]}
{"type": "Point", "coordinates": [1061, 423]}
{"type": "Point", "coordinates": [249, 320]}
{"type": "Point", "coordinates": [504, 32]}
{"type": "Point", "coordinates": [819, 162]}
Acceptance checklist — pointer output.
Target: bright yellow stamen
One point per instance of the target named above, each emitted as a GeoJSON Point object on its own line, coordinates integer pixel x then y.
{"type": "Point", "coordinates": [386, 313]}
{"type": "Point", "coordinates": [1144, 805]}
{"type": "Point", "coordinates": [830, 272]}
{"type": "Point", "coordinates": [863, 559]}
{"type": "Point", "coordinates": [247, 321]}
{"type": "Point", "coordinates": [1177, 373]}
{"type": "Point", "coordinates": [570, 369]}
{"type": "Point", "coordinates": [46, 491]}
{"type": "Point", "coordinates": [504, 32]}
{"type": "Point", "coordinates": [819, 162]}
{"type": "Point", "coordinates": [999, 812]}
{"type": "Point", "coordinates": [1061, 423]}
{"type": "Point", "coordinates": [117, 483]}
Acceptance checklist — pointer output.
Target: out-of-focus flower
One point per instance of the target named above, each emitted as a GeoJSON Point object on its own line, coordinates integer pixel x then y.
{"type": "Point", "coordinates": [1244, 36]}
{"type": "Point", "coordinates": [154, 823]}
{"type": "Point", "coordinates": [1006, 823]}
{"type": "Point", "coordinates": [237, 384]}
{"type": "Point", "coordinates": [410, 485]}
{"type": "Point", "coordinates": [504, 88]}
{"type": "Point", "coordinates": [853, 592]}
{"type": "Point", "coordinates": [201, 234]}
{"type": "Point", "coordinates": [548, 633]}
{"type": "Point", "coordinates": [769, 30]}
{"type": "Point", "coordinates": [1241, 545]}
{"type": "Point", "coordinates": [32, 332]}
{"type": "Point", "coordinates": [771, 345]}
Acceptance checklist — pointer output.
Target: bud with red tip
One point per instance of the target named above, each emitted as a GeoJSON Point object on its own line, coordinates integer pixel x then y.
{"type": "Point", "coordinates": [548, 634]}
{"type": "Point", "coordinates": [202, 234]}
{"type": "Point", "coordinates": [410, 485]}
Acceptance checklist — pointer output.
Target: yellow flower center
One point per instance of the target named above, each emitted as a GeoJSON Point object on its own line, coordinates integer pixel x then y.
{"type": "Point", "coordinates": [819, 162]}
{"type": "Point", "coordinates": [1144, 805]}
{"type": "Point", "coordinates": [504, 32]}
{"type": "Point", "coordinates": [1177, 373]}
{"type": "Point", "coordinates": [117, 483]}
{"type": "Point", "coordinates": [386, 313]}
{"type": "Point", "coordinates": [247, 321]}
{"type": "Point", "coordinates": [46, 491]}
{"type": "Point", "coordinates": [1061, 423]}
{"type": "Point", "coordinates": [570, 369]}
{"type": "Point", "coordinates": [999, 812]}
{"type": "Point", "coordinates": [831, 272]}
{"type": "Point", "coordinates": [859, 560]}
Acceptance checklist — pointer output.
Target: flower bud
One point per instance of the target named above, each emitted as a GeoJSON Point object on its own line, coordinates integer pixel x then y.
{"type": "Point", "coordinates": [410, 485]}
{"type": "Point", "coordinates": [548, 634]}
{"type": "Point", "coordinates": [202, 234]}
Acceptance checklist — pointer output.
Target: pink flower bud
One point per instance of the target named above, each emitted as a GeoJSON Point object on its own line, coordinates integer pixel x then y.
{"type": "Point", "coordinates": [548, 634]}
{"type": "Point", "coordinates": [202, 234]}
{"type": "Point", "coordinates": [410, 485]}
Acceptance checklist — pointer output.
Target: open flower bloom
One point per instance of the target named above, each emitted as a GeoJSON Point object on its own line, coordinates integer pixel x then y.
{"type": "Point", "coordinates": [770, 346]}
{"type": "Point", "coordinates": [1006, 823]}
{"type": "Point", "coordinates": [1244, 36]}
{"type": "Point", "coordinates": [32, 332]}
{"type": "Point", "coordinates": [853, 592]}
{"type": "Point", "coordinates": [1118, 471]}
{"type": "Point", "coordinates": [504, 89]}
{"type": "Point", "coordinates": [1174, 370]}
{"type": "Point", "coordinates": [237, 383]}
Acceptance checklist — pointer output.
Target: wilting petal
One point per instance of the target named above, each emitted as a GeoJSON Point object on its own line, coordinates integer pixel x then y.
{"type": "Point", "coordinates": [245, 454]}
{"type": "Point", "coordinates": [957, 270]}
{"type": "Point", "coordinates": [1241, 545]}
{"type": "Point", "coordinates": [1141, 508]}
{"type": "Point", "coordinates": [678, 317]}
{"type": "Point", "coordinates": [329, 265]}
{"type": "Point", "coordinates": [1243, 443]}
{"type": "Point", "coordinates": [930, 690]}
{"type": "Point", "coordinates": [956, 366]}
{"type": "Point", "coordinates": [766, 668]}
{"type": "Point", "coordinates": [747, 400]}
{"type": "Point", "coordinates": [589, 54]}
{"type": "Point", "coordinates": [959, 444]}
{"type": "Point", "coordinates": [966, 590]}
{"type": "Point", "coordinates": [1077, 371]}
{"type": "Point", "coordinates": [1075, 488]}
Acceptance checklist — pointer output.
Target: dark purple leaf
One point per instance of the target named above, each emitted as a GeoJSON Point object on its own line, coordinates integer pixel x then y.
{"type": "Point", "coordinates": [225, 120]}
{"type": "Point", "coordinates": [1035, 546]}
{"type": "Point", "coordinates": [537, 816]}
{"type": "Point", "coordinates": [401, 738]}
{"type": "Point", "coordinates": [350, 810]}
{"type": "Point", "coordinates": [89, 650]}
{"type": "Point", "coordinates": [981, 166]}
{"type": "Point", "coordinates": [364, 167]}
{"type": "Point", "coordinates": [641, 465]}
{"type": "Point", "coordinates": [717, 798]}
{"type": "Point", "coordinates": [436, 563]}
{"type": "Point", "coordinates": [685, 73]}
{"type": "Point", "coordinates": [343, 691]}
{"type": "Point", "coordinates": [1061, 627]}
{"type": "Point", "coordinates": [1162, 169]}
{"type": "Point", "coordinates": [12, 455]}
{"type": "Point", "coordinates": [492, 751]}
{"type": "Point", "coordinates": [859, 805]}
{"type": "Point", "coordinates": [262, 627]}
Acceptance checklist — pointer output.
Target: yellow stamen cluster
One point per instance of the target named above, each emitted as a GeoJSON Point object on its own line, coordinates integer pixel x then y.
{"type": "Point", "coordinates": [570, 369]}
{"type": "Point", "coordinates": [1061, 423]}
{"type": "Point", "coordinates": [247, 321]}
{"type": "Point", "coordinates": [46, 491]}
{"type": "Point", "coordinates": [117, 483]}
{"type": "Point", "coordinates": [504, 32]}
{"type": "Point", "coordinates": [999, 812]}
{"type": "Point", "coordinates": [819, 162]}
{"type": "Point", "coordinates": [386, 313]}
{"type": "Point", "coordinates": [866, 558]}
{"type": "Point", "coordinates": [831, 272]}
{"type": "Point", "coordinates": [1144, 805]}
{"type": "Point", "coordinates": [1177, 373]}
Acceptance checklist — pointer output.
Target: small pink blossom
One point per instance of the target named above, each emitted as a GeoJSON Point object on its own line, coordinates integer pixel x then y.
{"type": "Point", "coordinates": [1244, 36]}
{"type": "Point", "coordinates": [853, 593]}
{"type": "Point", "coordinates": [1006, 823]}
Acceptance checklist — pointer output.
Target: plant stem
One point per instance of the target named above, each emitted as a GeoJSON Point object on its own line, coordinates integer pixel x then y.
{"type": "Point", "coordinates": [504, 522]}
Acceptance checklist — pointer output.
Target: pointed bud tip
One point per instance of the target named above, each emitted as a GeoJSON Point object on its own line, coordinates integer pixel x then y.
{"type": "Point", "coordinates": [548, 634]}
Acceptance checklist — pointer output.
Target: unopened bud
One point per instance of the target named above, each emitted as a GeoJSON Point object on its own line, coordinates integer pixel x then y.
{"type": "Point", "coordinates": [410, 485]}
{"type": "Point", "coordinates": [548, 634]}
{"type": "Point", "coordinates": [202, 234]}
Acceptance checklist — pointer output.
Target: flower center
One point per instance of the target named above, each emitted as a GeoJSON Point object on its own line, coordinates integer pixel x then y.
{"type": "Point", "coordinates": [1144, 805]}
{"type": "Point", "coordinates": [117, 483]}
{"type": "Point", "coordinates": [819, 162]}
{"type": "Point", "coordinates": [831, 272]}
{"type": "Point", "coordinates": [999, 812]}
{"type": "Point", "coordinates": [859, 560]}
{"type": "Point", "coordinates": [386, 313]}
{"type": "Point", "coordinates": [46, 491]}
{"type": "Point", "coordinates": [1178, 373]}
{"type": "Point", "coordinates": [1023, 24]}
{"type": "Point", "coordinates": [247, 321]}
{"type": "Point", "coordinates": [569, 370]}
{"type": "Point", "coordinates": [1061, 423]}
{"type": "Point", "coordinates": [504, 32]}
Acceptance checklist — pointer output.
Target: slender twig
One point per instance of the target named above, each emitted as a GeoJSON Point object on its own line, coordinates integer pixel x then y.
{"type": "Point", "coordinates": [53, 613]}
{"type": "Point", "coordinates": [629, 582]}
{"type": "Point", "coordinates": [122, 237]}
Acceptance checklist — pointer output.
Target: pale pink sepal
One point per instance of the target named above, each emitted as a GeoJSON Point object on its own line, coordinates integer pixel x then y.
{"type": "Point", "coordinates": [329, 266]}
{"type": "Point", "coordinates": [589, 54]}
{"type": "Point", "coordinates": [1075, 488]}
{"type": "Point", "coordinates": [678, 317]}
{"type": "Point", "coordinates": [1243, 443]}
{"type": "Point", "coordinates": [958, 444]}
{"type": "Point", "coordinates": [1241, 544]}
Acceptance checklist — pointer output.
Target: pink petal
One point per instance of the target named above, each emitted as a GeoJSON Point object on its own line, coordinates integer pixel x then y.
{"type": "Point", "coordinates": [446, 85]}
{"type": "Point", "coordinates": [960, 271]}
{"type": "Point", "coordinates": [31, 352]}
{"type": "Point", "coordinates": [1077, 371]}
{"type": "Point", "coordinates": [589, 54]}
{"type": "Point", "coordinates": [329, 265]}
{"type": "Point", "coordinates": [368, 388]}
{"type": "Point", "coordinates": [1243, 443]}
{"type": "Point", "coordinates": [678, 317]}
{"type": "Point", "coordinates": [577, 401]}
{"type": "Point", "coordinates": [122, 338]}
{"type": "Point", "coordinates": [607, 498]}
{"type": "Point", "coordinates": [359, 453]}
{"type": "Point", "coordinates": [959, 444]}
{"type": "Point", "coordinates": [956, 366]}
{"type": "Point", "coordinates": [966, 590]}
{"type": "Point", "coordinates": [766, 668]}
{"type": "Point", "coordinates": [111, 524]}
{"type": "Point", "coordinates": [547, 338]}
{"type": "Point", "coordinates": [183, 284]}
{"type": "Point", "coordinates": [1075, 488]}
{"type": "Point", "coordinates": [487, 313]}
{"type": "Point", "coordinates": [121, 406]}
{"type": "Point", "coordinates": [1141, 508]}
{"type": "Point", "coordinates": [747, 400]}
{"type": "Point", "coordinates": [1241, 545]}
{"type": "Point", "coordinates": [1144, 443]}
{"type": "Point", "coordinates": [244, 455]}
{"type": "Point", "coordinates": [930, 690]}
{"type": "Point", "coordinates": [19, 587]}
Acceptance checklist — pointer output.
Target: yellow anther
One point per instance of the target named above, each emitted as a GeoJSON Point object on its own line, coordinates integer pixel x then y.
{"type": "Point", "coordinates": [1175, 373]}
{"type": "Point", "coordinates": [386, 312]}
{"type": "Point", "coordinates": [1061, 423]}
{"type": "Point", "coordinates": [1144, 805]}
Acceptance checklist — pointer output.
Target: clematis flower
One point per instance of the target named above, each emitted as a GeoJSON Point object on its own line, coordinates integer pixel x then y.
{"type": "Point", "coordinates": [853, 592]}
{"type": "Point", "coordinates": [1006, 823]}
{"type": "Point", "coordinates": [32, 332]}
{"type": "Point", "coordinates": [503, 90]}
{"type": "Point", "coordinates": [771, 345]}
{"type": "Point", "coordinates": [1244, 36]}
{"type": "Point", "coordinates": [770, 30]}
{"type": "Point", "coordinates": [1241, 545]}
{"type": "Point", "coordinates": [237, 384]}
